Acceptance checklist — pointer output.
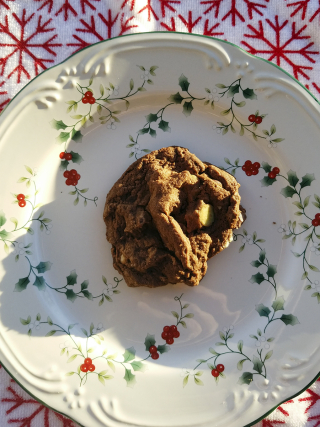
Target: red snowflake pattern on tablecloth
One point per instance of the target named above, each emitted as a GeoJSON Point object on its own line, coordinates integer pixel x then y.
{"type": "Point", "coordinates": [4, 99]}
{"type": "Point", "coordinates": [33, 411]}
{"type": "Point", "coordinates": [234, 12]}
{"type": "Point", "coordinates": [302, 6]}
{"type": "Point", "coordinates": [105, 29]}
{"type": "Point", "coordinates": [5, 4]}
{"type": "Point", "coordinates": [282, 49]}
{"type": "Point", "coordinates": [20, 45]}
{"type": "Point", "coordinates": [67, 8]}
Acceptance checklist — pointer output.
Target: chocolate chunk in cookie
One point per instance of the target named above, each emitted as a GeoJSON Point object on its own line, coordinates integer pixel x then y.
{"type": "Point", "coordinates": [167, 215]}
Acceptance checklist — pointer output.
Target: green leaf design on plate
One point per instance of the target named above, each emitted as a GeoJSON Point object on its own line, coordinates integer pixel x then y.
{"type": "Point", "coordinates": [50, 333]}
{"type": "Point", "coordinates": [138, 366]}
{"type": "Point", "coordinates": [42, 267]}
{"type": "Point", "coordinates": [130, 378]}
{"type": "Point", "coordinates": [233, 90]}
{"type": "Point", "coordinates": [163, 348]}
{"type": "Point", "coordinates": [176, 98]}
{"type": "Point", "coordinates": [63, 137]}
{"type": "Point", "coordinates": [256, 263]}
{"type": "Point", "coordinates": [149, 341]}
{"type": "Point", "coordinates": [257, 278]}
{"type": "Point", "coordinates": [184, 83]}
{"type": "Point", "coordinates": [266, 167]}
{"type": "Point", "coordinates": [129, 354]}
{"type": "Point", "coordinates": [58, 124]}
{"type": "Point", "coordinates": [3, 219]}
{"type": "Point", "coordinates": [288, 191]}
{"type": "Point", "coordinates": [249, 94]}
{"type": "Point", "coordinates": [151, 118]}
{"type": "Point", "coordinates": [40, 283]}
{"type": "Point", "coordinates": [292, 178]}
{"type": "Point", "coordinates": [278, 304]}
{"type": "Point", "coordinates": [268, 355]}
{"type": "Point", "coordinates": [307, 180]}
{"type": "Point", "coordinates": [6, 235]}
{"type": "Point", "coordinates": [272, 270]}
{"type": "Point", "coordinates": [25, 321]}
{"type": "Point", "coordinates": [289, 319]}
{"type": "Point", "coordinates": [71, 296]}
{"type": "Point", "coordinates": [240, 364]}
{"type": "Point", "coordinates": [263, 310]}
{"type": "Point", "coordinates": [266, 181]}
{"type": "Point", "coordinates": [187, 108]}
{"type": "Point", "coordinates": [76, 135]}
{"type": "Point", "coordinates": [262, 256]}
{"type": "Point", "coordinates": [163, 125]}
{"type": "Point", "coordinates": [246, 378]}
{"type": "Point", "coordinates": [76, 158]}
{"type": "Point", "coordinates": [153, 133]}
{"type": "Point", "coordinates": [142, 132]}
{"type": "Point", "coordinates": [257, 364]}
{"type": "Point", "coordinates": [21, 284]}
{"type": "Point", "coordinates": [72, 278]}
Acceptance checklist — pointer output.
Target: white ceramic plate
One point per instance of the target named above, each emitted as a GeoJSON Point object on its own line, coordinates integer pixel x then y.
{"type": "Point", "coordinates": [254, 317]}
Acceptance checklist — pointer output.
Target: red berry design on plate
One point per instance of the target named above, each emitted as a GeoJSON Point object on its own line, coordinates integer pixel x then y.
{"type": "Point", "coordinates": [92, 100]}
{"type": "Point", "coordinates": [153, 349]}
{"type": "Point", "coordinates": [317, 217]}
{"type": "Point", "coordinates": [276, 170]}
{"type": "Point", "coordinates": [173, 328]}
{"type": "Point", "coordinates": [176, 334]}
{"type": "Point", "coordinates": [164, 335]}
{"type": "Point", "coordinates": [88, 361]}
{"type": "Point", "coordinates": [68, 156]}
{"type": "Point", "coordinates": [251, 168]}
{"type": "Point", "coordinates": [78, 176]}
{"type": "Point", "coordinates": [74, 182]}
{"type": "Point", "coordinates": [69, 181]}
{"type": "Point", "coordinates": [85, 100]}
{"type": "Point", "coordinates": [252, 118]}
{"type": "Point", "coordinates": [220, 368]}
{"type": "Point", "coordinates": [91, 368]}
{"type": "Point", "coordinates": [272, 175]}
{"type": "Point", "coordinates": [22, 203]}
{"type": "Point", "coordinates": [66, 174]}
{"type": "Point", "coordinates": [62, 155]}
{"type": "Point", "coordinates": [84, 368]}
{"type": "Point", "coordinates": [215, 373]}
{"type": "Point", "coordinates": [170, 341]}
{"type": "Point", "coordinates": [21, 197]}
{"type": "Point", "coordinates": [166, 329]}
{"type": "Point", "coordinates": [258, 120]}
{"type": "Point", "coordinates": [88, 94]}
{"type": "Point", "coordinates": [155, 356]}
{"type": "Point", "coordinates": [315, 222]}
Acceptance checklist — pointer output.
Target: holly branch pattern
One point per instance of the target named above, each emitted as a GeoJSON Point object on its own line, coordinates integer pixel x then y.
{"type": "Point", "coordinates": [95, 101]}
{"type": "Point", "coordinates": [262, 342]}
{"type": "Point", "coordinates": [37, 273]}
{"type": "Point", "coordinates": [231, 91]}
{"type": "Point", "coordinates": [187, 100]}
{"type": "Point", "coordinates": [92, 354]}
{"type": "Point", "coordinates": [292, 230]}
{"type": "Point", "coordinates": [23, 200]}
{"type": "Point", "coordinates": [157, 118]}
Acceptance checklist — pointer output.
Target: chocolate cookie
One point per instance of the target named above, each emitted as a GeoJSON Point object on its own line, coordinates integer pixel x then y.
{"type": "Point", "coordinates": [167, 215]}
